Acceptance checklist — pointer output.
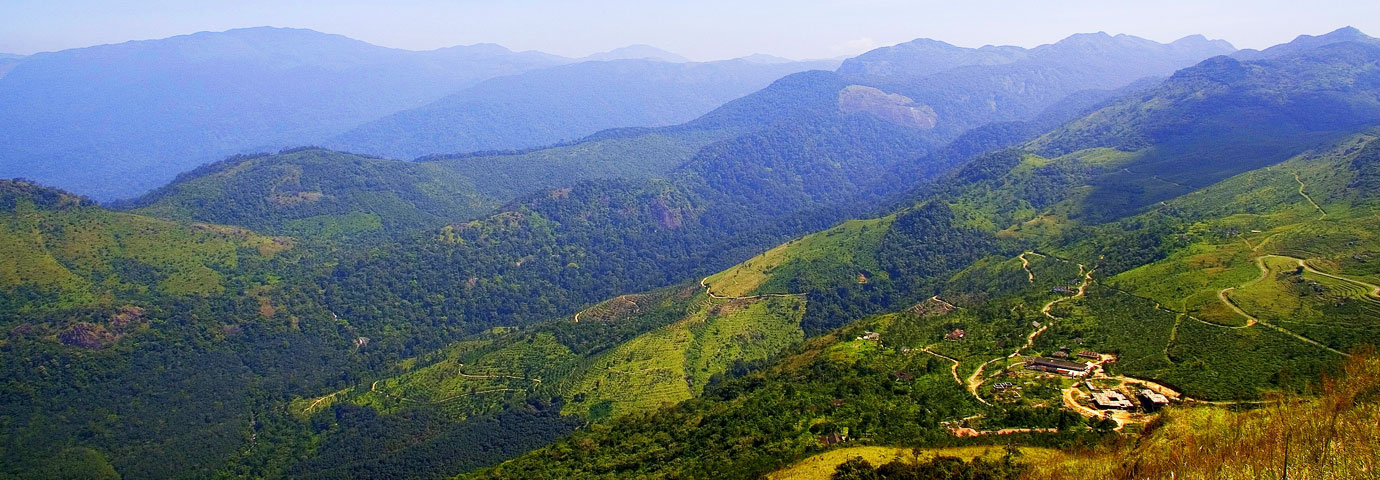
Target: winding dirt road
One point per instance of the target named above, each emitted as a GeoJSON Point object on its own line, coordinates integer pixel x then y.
{"type": "Point", "coordinates": [953, 369]}
{"type": "Point", "coordinates": [975, 380]}
{"type": "Point", "coordinates": [1025, 264]}
{"type": "Point", "coordinates": [705, 285]}
{"type": "Point", "coordinates": [1310, 199]}
{"type": "Point", "coordinates": [1252, 320]}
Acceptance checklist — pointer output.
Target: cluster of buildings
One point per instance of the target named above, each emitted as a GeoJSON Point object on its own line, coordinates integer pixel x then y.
{"type": "Point", "coordinates": [1150, 400]}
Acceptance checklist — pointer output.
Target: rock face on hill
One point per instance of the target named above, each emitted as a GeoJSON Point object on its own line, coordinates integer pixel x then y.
{"type": "Point", "coordinates": [891, 107]}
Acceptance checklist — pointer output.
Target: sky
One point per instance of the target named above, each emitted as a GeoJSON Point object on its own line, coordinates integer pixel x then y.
{"type": "Point", "coordinates": [698, 29]}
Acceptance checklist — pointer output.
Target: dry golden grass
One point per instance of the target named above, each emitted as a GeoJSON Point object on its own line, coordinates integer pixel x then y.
{"type": "Point", "coordinates": [822, 466]}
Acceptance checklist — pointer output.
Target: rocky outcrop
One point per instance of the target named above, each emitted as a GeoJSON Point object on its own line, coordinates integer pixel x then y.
{"type": "Point", "coordinates": [890, 107]}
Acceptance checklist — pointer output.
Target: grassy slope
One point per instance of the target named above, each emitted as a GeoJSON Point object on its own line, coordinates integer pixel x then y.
{"type": "Point", "coordinates": [674, 363]}
{"type": "Point", "coordinates": [650, 349]}
{"type": "Point", "coordinates": [70, 254]}
{"type": "Point", "coordinates": [851, 243]}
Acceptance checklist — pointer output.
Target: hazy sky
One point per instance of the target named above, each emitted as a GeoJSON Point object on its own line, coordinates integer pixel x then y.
{"type": "Point", "coordinates": [699, 29]}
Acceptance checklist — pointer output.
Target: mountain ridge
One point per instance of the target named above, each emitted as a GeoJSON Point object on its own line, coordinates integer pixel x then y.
{"type": "Point", "coordinates": [142, 111]}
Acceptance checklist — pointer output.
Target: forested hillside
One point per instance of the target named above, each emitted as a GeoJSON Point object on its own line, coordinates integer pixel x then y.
{"type": "Point", "coordinates": [1255, 285]}
{"type": "Point", "coordinates": [958, 259]}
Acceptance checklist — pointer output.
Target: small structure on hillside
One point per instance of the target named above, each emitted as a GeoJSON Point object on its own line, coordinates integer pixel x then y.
{"type": "Point", "coordinates": [1061, 354]}
{"type": "Point", "coordinates": [361, 342]}
{"type": "Point", "coordinates": [1111, 399]}
{"type": "Point", "coordinates": [957, 334]}
{"type": "Point", "coordinates": [1151, 400]}
{"type": "Point", "coordinates": [1090, 355]}
{"type": "Point", "coordinates": [832, 439]}
{"type": "Point", "coordinates": [1054, 365]}
{"type": "Point", "coordinates": [873, 336]}
{"type": "Point", "coordinates": [1003, 386]}
{"type": "Point", "coordinates": [932, 307]}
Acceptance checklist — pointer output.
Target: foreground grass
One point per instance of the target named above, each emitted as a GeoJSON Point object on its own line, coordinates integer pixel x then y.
{"type": "Point", "coordinates": [822, 466]}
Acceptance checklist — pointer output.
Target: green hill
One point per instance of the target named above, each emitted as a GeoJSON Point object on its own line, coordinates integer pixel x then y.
{"type": "Point", "coordinates": [313, 193]}
{"type": "Point", "coordinates": [841, 382]}
{"type": "Point", "coordinates": [63, 251]}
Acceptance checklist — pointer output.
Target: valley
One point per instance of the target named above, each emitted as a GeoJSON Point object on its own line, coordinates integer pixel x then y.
{"type": "Point", "coordinates": [1062, 261]}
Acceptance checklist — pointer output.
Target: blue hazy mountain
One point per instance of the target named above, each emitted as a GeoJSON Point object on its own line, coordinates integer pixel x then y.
{"type": "Point", "coordinates": [637, 52]}
{"type": "Point", "coordinates": [8, 62]}
{"type": "Point", "coordinates": [565, 103]}
{"type": "Point", "coordinates": [1308, 42]}
{"type": "Point", "coordinates": [115, 120]}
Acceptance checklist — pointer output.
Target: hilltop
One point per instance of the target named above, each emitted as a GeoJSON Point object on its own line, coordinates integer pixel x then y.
{"type": "Point", "coordinates": [318, 194]}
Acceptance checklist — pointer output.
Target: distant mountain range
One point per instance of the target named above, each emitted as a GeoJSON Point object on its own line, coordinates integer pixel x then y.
{"type": "Point", "coordinates": [7, 62]}
{"type": "Point", "coordinates": [140, 112]}
{"type": "Point", "coordinates": [564, 103]}
{"type": "Point", "coordinates": [796, 122]}
{"type": "Point", "coordinates": [1306, 42]}
{"type": "Point", "coordinates": [115, 120]}
{"type": "Point", "coordinates": [637, 52]}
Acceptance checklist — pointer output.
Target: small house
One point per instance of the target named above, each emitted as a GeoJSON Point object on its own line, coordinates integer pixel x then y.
{"type": "Point", "coordinates": [1151, 400]}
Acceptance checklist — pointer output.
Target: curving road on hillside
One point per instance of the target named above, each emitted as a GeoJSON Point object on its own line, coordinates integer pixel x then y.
{"type": "Point", "coordinates": [705, 285]}
{"type": "Point", "coordinates": [1310, 199]}
{"type": "Point", "coordinates": [1264, 273]}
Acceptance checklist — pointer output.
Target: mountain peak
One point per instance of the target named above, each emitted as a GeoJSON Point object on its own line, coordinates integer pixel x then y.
{"type": "Point", "coordinates": [1309, 42]}
{"type": "Point", "coordinates": [1087, 38]}
{"type": "Point", "coordinates": [1347, 32]}
{"type": "Point", "coordinates": [638, 52]}
{"type": "Point", "coordinates": [765, 59]}
{"type": "Point", "coordinates": [1344, 34]}
{"type": "Point", "coordinates": [1198, 41]}
{"type": "Point", "coordinates": [925, 56]}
